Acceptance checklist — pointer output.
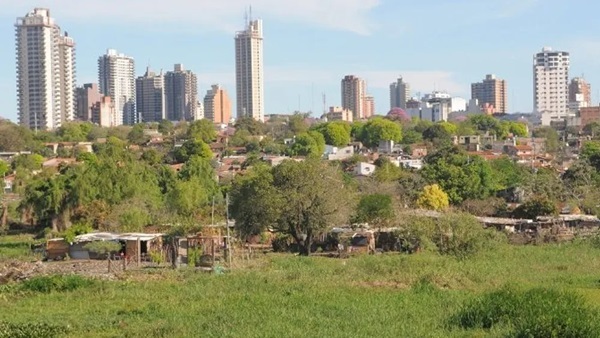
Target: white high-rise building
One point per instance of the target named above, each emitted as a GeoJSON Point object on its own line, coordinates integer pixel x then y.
{"type": "Point", "coordinates": [45, 71]}
{"type": "Point", "coordinates": [116, 75]}
{"type": "Point", "coordinates": [551, 85]}
{"type": "Point", "coordinates": [249, 71]}
{"type": "Point", "coordinates": [399, 94]}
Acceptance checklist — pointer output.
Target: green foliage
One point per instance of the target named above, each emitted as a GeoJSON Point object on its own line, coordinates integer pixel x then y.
{"type": "Point", "coordinates": [56, 283]}
{"type": "Point", "coordinates": [28, 330]}
{"type": "Point", "coordinates": [76, 230]}
{"type": "Point", "coordinates": [152, 157]}
{"type": "Point", "coordinates": [74, 132]}
{"type": "Point", "coordinates": [461, 235]}
{"type": "Point", "coordinates": [165, 127]}
{"type": "Point", "coordinates": [386, 171]}
{"type": "Point", "coordinates": [335, 133]}
{"type": "Point", "coordinates": [3, 168]}
{"type": "Point", "coordinates": [531, 209]}
{"type": "Point", "coordinates": [552, 139]}
{"type": "Point", "coordinates": [297, 124]}
{"type": "Point", "coordinates": [461, 176]}
{"type": "Point", "coordinates": [193, 147]}
{"type": "Point", "coordinates": [137, 136]}
{"type": "Point", "coordinates": [28, 162]}
{"type": "Point", "coordinates": [311, 143]}
{"type": "Point", "coordinates": [508, 173]}
{"type": "Point", "coordinates": [517, 128]}
{"type": "Point", "coordinates": [433, 198]}
{"type": "Point", "coordinates": [590, 151]}
{"type": "Point", "coordinates": [300, 199]}
{"type": "Point", "coordinates": [380, 129]}
{"type": "Point", "coordinates": [411, 136]}
{"type": "Point", "coordinates": [489, 124]}
{"type": "Point", "coordinates": [193, 257]}
{"type": "Point", "coordinates": [536, 313]}
{"type": "Point", "coordinates": [438, 135]}
{"type": "Point", "coordinates": [376, 209]}
{"type": "Point", "coordinates": [203, 130]}
{"type": "Point", "coordinates": [252, 126]}
{"type": "Point", "coordinates": [103, 248]}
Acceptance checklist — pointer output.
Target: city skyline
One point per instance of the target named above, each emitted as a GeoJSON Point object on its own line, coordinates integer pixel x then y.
{"type": "Point", "coordinates": [300, 67]}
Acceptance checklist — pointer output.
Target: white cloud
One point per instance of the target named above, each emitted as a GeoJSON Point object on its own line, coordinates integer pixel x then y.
{"type": "Point", "coordinates": [420, 81]}
{"type": "Point", "coordinates": [225, 15]}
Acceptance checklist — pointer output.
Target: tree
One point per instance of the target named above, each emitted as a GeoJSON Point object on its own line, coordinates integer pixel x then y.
{"type": "Point", "coordinates": [460, 175]}
{"type": "Point", "coordinates": [335, 133]}
{"type": "Point", "coordinates": [386, 171]}
{"type": "Point", "coordinates": [3, 168]}
{"type": "Point", "coordinates": [297, 123]}
{"type": "Point", "coordinates": [152, 157]}
{"type": "Point", "coordinates": [311, 143]}
{"type": "Point", "coordinates": [517, 129]}
{"type": "Point", "coordinates": [193, 147]}
{"type": "Point", "coordinates": [165, 127]}
{"type": "Point", "coordinates": [433, 198]}
{"type": "Point", "coordinates": [251, 125]}
{"type": "Point", "coordinates": [103, 248]}
{"type": "Point", "coordinates": [536, 207]}
{"type": "Point", "coordinates": [298, 199]}
{"type": "Point", "coordinates": [376, 209]}
{"type": "Point", "coordinates": [438, 134]}
{"type": "Point", "coordinates": [508, 174]}
{"type": "Point", "coordinates": [202, 130]}
{"type": "Point", "coordinates": [380, 129]}
{"type": "Point", "coordinates": [29, 162]}
{"type": "Point", "coordinates": [552, 139]}
{"type": "Point", "coordinates": [136, 135]}
{"type": "Point", "coordinates": [411, 136]}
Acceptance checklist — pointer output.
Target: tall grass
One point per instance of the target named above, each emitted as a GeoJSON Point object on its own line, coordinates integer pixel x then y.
{"type": "Point", "coordinates": [287, 296]}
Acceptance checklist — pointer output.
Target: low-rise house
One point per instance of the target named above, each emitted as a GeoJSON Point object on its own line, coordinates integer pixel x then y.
{"type": "Point", "coordinates": [410, 163]}
{"type": "Point", "coordinates": [57, 162]}
{"type": "Point", "coordinates": [519, 152]}
{"type": "Point", "coordinates": [9, 183]}
{"type": "Point", "coordinates": [338, 153]}
{"type": "Point", "coordinates": [417, 151]}
{"type": "Point", "coordinates": [364, 169]}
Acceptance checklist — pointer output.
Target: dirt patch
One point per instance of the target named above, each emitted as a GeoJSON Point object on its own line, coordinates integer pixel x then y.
{"type": "Point", "coordinates": [384, 284]}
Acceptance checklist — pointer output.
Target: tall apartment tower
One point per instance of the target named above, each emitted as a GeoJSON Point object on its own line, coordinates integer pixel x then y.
{"type": "Point", "coordinates": [217, 106]}
{"type": "Point", "coordinates": [150, 96]}
{"type": "Point", "coordinates": [580, 93]}
{"type": "Point", "coordinates": [551, 85]}
{"type": "Point", "coordinates": [116, 74]}
{"type": "Point", "coordinates": [353, 96]}
{"type": "Point", "coordinates": [368, 106]}
{"type": "Point", "coordinates": [491, 92]}
{"type": "Point", "coordinates": [249, 81]}
{"type": "Point", "coordinates": [85, 97]}
{"type": "Point", "coordinates": [399, 94]}
{"type": "Point", "coordinates": [181, 94]}
{"type": "Point", "coordinates": [45, 71]}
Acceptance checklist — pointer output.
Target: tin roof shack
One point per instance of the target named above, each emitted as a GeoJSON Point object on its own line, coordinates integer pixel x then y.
{"type": "Point", "coordinates": [354, 241]}
{"type": "Point", "coordinates": [58, 248]}
{"type": "Point", "coordinates": [567, 227]}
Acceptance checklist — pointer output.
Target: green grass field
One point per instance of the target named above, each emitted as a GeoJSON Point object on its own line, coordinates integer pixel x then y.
{"type": "Point", "coordinates": [287, 296]}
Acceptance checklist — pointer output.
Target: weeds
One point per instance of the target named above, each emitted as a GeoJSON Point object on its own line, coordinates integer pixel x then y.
{"type": "Point", "coordinates": [58, 283]}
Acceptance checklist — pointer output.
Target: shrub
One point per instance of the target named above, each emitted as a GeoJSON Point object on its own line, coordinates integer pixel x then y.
{"type": "Point", "coordinates": [57, 283]}
{"type": "Point", "coordinates": [193, 257]}
{"type": "Point", "coordinates": [76, 230]}
{"type": "Point", "coordinates": [533, 313]}
{"type": "Point", "coordinates": [282, 243]}
{"type": "Point", "coordinates": [27, 330]}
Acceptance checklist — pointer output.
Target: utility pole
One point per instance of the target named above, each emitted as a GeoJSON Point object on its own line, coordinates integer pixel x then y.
{"type": "Point", "coordinates": [229, 259]}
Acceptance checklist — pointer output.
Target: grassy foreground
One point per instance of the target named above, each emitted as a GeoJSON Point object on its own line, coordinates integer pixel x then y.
{"type": "Point", "coordinates": [288, 296]}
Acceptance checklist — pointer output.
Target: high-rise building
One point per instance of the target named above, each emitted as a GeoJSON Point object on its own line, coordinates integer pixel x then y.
{"type": "Point", "coordinates": [353, 96]}
{"type": "Point", "coordinates": [551, 85]}
{"type": "Point", "coordinates": [217, 106]}
{"type": "Point", "coordinates": [399, 94]}
{"type": "Point", "coordinates": [150, 96]}
{"type": "Point", "coordinates": [85, 97]}
{"type": "Point", "coordinates": [45, 71]}
{"type": "Point", "coordinates": [249, 82]}
{"type": "Point", "coordinates": [104, 113]}
{"type": "Point", "coordinates": [116, 74]}
{"type": "Point", "coordinates": [580, 93]}
{"type": "Point", "coordinates": [368, 106]}
{"type": "Point", "coordinates": [491, 93]}
{"type": "Point", "coordinates": [181, 94]}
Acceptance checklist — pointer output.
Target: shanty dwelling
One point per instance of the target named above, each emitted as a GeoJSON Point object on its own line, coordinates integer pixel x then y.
{"type": "Point", "coordinates": [133, 245]}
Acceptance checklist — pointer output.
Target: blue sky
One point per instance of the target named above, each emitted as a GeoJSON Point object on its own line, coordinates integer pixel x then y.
{"type": "Point", "coordinates": [311, 44]}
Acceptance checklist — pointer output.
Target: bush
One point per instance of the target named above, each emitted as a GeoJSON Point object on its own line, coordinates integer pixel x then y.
{"type": "Point", "coordinates": [533, 313]}
{"type": "Point", "coordinates": [27, 330]}
{"type": "Point", "coordinates": [57, 283]}
{"type": "Point", "coordinates": [193, 257]}
{"type": "Point", "coordinates": [282, 243]}
{"type": "Point", "coordinates": [76, 230]}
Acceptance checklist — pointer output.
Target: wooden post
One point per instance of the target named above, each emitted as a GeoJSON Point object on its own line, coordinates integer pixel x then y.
{"type": "Point", "coordinates": [212, 249]}
{"type": "Point", "coordinates": [139, 252]}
